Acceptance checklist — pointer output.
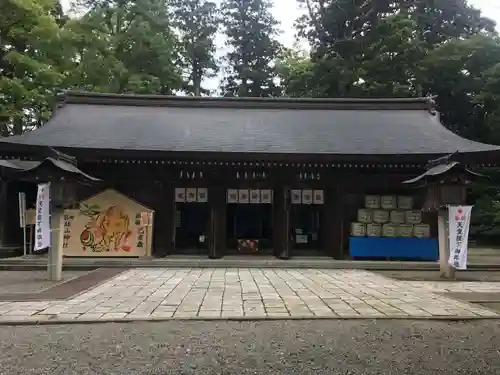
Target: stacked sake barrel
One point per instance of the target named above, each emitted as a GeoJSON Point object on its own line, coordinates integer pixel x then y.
{"type": "Point", "coordinates": [389, 216]}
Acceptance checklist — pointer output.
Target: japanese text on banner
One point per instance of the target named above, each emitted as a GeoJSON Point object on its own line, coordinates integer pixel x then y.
{"type": "Point", "coordinates": [459, 223]}
{"type": "Point", "coordinates": [42, 223]}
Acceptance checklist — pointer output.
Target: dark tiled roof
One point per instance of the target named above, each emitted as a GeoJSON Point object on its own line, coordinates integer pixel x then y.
{"type": "Point", "coordinates": [32, 166]}
{"type": "Point", "coordinates": [246, 125]}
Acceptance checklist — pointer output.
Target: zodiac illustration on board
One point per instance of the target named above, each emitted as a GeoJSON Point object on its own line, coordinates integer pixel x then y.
{"type": "Point", "coordinates": [107, 229]}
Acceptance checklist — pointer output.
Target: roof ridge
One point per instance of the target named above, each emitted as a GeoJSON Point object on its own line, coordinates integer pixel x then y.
{"type": "Point", "coordinates": [81, 97]}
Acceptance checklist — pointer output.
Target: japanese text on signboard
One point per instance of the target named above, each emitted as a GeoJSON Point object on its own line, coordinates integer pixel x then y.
{"type": "Point", "coordinates": [459, 222]}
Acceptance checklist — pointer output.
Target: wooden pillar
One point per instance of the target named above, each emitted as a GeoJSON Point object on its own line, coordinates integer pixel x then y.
{"type": "Point", "coordinates": [331, 225]}
{"type": "Point", "coordinates": [164, 224]}
{"type": "Point", "coordinates": [217, 222]}
{"type": "Point", "coordinates": [281, 223]}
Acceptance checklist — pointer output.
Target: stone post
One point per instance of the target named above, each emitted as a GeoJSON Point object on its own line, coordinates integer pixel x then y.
{"type": "Point", "coordinates": [55, 256]}
{"type": "Point", "coordinates": [446, 271]}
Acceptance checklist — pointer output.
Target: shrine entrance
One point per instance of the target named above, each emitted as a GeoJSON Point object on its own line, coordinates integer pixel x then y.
{"type": "Point", "coordinates": [249, 222]}
{"type": "Point", "coordinates": [306, 217]}
{"type": "Point", "coordinates": [192, 221]}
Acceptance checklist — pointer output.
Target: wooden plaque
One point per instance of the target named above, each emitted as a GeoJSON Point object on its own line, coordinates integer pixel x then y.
{"type": "Point", "coordinates": [232, 196]}
{"type": "Point", "coordinates": [307, 196]}
{"type": "Point", "coordinates": [318, 197]}
{"type": "Point", "coordinates": [296, 196]}
{"type": "Point", "coordinates": [266, 196]}
{"type": "Point", "coordinates": [243, 196]}
{"type": "Point", "coordinates": [191, 195]}
{"type": "Point", "coordinates": [202, 195]}
{"type": "Point", "coordinates": [180, 195]}
{"type": "Point", "coordinates": [255, 196]}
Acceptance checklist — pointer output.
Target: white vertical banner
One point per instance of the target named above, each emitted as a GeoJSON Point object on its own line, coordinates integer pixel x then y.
{"type": "Point", "coordinates": [459, 224]}
{"type": "Point", "coordinates": [42, 220]}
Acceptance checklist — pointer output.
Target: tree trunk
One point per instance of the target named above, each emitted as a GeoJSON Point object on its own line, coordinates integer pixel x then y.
{"type": "Point", "coordinates": [18, 126]}
{"type": "Point", "coordinates": [196, 76]}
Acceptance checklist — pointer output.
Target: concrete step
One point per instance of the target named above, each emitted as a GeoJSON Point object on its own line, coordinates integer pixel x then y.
{"type": "Point", "coordinates": [31, 262]}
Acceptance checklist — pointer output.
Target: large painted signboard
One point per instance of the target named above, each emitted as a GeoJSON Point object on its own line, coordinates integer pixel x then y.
{"type": "Point", "coordinates": [108, 224]}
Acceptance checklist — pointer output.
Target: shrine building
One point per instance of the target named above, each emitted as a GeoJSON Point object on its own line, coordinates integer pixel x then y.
{"type": "Point", "coordinates": [162, 175]}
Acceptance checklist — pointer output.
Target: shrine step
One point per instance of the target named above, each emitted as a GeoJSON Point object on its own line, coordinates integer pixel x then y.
{"type": "Point", "coordinates": [177, 261]}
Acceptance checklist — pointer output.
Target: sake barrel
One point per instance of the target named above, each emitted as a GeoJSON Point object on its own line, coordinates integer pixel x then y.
{"type": "Point", "coordinates": [422, 230]}
{"type": "Point", "coordinates": [405, 202]}
{"type": "Point", "coordinates": [365, 215]}
{"type": "Point", "coordinates": [405, 230]}
{"type": "Point", "coordinates": [380, 216]}
{"type": "Point", "coordinates": [372, 201]}
{"type": "Point", "coordinates": [388, 202]}
{"type": "Point", "coordinates": [373, 230]}
{"type": "Point", "coordinates": [413, 217]}
{"type": "Point", "coordinates": [389, 230]}
{"type": "Point", "coordinates": [397, 217]}
{"type": "Point", "coordinates": [358, 229]}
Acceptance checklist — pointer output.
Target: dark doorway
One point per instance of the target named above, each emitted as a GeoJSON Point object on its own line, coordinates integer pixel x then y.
{"type": "Point", "coordinates": [305, 227]}
{"type": "Point", "coordinates": [192, 228]}
{"type": "Point", "coordinates": [250, 223]}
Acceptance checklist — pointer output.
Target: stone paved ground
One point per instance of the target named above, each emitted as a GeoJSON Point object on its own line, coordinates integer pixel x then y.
{"type": "Point", "coordinates": [254, 293]}
{"type": "Point", "coordinates": [31, 281]}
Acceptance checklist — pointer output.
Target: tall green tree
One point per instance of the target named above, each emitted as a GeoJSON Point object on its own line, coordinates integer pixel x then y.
{"type": "Point", "coordinates": [251, 33]}
{"type": "Point", "coordinates": [198, 22]}
{"type": "Point", "coordinates": [125, 46]}
{"type": "Point", "coordinates": [32, 60]}
{"type": "Point", "coordinates": [461, 72]}
{"type": "Point", "coordinates": [296, 74]}
{"type": "Point", "coordinates": [377, 47]}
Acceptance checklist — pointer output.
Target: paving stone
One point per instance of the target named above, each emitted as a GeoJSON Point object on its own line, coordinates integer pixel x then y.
{"type": "Point", "coordinates": [14, 318]}
{"type": "Point", "coordinates": [278, 315]}
{"type": "Point", "coordinates": [66, 316]}
{"type": "Point", "coordinates": [301, 313]}
{"type": "Point", "coordinates": [20, 313]}
{"type": "Point", "coordinates": [113, 316]}
{"type": "Point", "coordinates": [209, 313]}
{"type": "Point", "coordinates": [323, 313]}
{"type": "Point", "coordinates": [90, 316]}
{"type": "Point", "coordinates": [232, 314]}
{"type": "Point", "coordinates": [162, 314]}
{"type": "Point", "coordinates": [185, 314]}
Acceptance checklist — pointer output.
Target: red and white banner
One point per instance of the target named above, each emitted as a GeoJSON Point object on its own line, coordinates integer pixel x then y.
{"type": "Point", "coordinates": [459, 224]}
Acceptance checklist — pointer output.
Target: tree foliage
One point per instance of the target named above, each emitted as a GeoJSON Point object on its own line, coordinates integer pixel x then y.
{"type": "Point", "coordinates": [197, 22]}
{"type": "Point", "coordinates": [31, 63]}
{"type": "Point", "coordinates": [125, 46]}
{"type": "Point", "coordinates": [251, 32]}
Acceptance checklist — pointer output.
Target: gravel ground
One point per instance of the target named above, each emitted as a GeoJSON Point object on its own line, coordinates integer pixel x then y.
{"type": "Point", "coordinates": [279, 347]}
{"type": "Point", "coordinates": [31, 281]}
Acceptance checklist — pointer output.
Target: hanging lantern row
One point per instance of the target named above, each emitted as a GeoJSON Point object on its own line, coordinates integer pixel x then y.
{"type": "Point", "coordinates": [308, 176]}
{"type": "Point", "coordinates": [191, 175]}
{"type": "Point", "coordinates": [251, 175]}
